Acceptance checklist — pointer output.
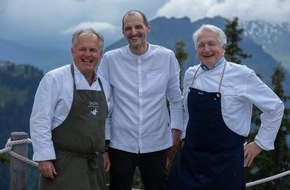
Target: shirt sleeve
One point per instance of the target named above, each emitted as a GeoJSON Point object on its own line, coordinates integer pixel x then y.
{"type": "Point", "coordinates": [272, 111]}
{"type": "Point", "coordinates": [174, 94]}
{"type": "Point", "coordinates": [103, 73]}
{"type": "Point", "coordinates": [186, 85]}
{"type": "Point", "coordinates": [109, 97]}
{"type": "Point", "coordinates": [41, 118]}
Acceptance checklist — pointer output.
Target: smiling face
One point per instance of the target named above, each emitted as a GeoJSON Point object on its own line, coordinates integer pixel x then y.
{"type": "Point", "coordinates": [86, 52]}
{"type": "Point", "coordinates": [209, 49]}
{"type": "Point", "coordinates": [135, 31]}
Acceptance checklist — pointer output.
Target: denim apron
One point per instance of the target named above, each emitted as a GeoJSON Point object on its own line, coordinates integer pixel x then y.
{"type": "Point", "coordinates": [79, 142]}
{"type": "Point", "coordinates": [212, 156]}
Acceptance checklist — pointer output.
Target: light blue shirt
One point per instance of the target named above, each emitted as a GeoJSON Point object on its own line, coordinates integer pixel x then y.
{"type": "Point", "coordinates": [52, 103]}
{"type": "Point", "coordinates": [140, 121]}
{"type": "Point", "coordinates": [241, 88]}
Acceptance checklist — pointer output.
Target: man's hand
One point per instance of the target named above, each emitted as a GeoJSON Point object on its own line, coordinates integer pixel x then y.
{"type": "Point", "coordinates": [250, 152]}
{"type": "Point", "coordinates": [176, 134]}
{"type": "Point", "coordinates": [47, 169]}
{"type": "Point", "coordinates": [107, 162]}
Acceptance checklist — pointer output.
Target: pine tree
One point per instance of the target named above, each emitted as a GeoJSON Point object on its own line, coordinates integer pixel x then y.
{"type": "Point", "coordinates": [234, 52]}
{"type": "Point", "coordinates": [180, 55]}
{"type": "Point", "coordinates": [274, 162]}
{"type": "Point", "coordinates": [281, 154]}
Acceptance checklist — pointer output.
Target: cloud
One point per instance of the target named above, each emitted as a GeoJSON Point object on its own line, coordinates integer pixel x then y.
{"type": "Point", "coordinates": [98, 26]}
{"type": "Point", "coordinates": [43, 23]}
{"type": "Point", "coordinates": [267, 10]}
{"type": "Point", "coordinates": [106, 29]}
{"type": "Point", "coordinates": [47, 23]}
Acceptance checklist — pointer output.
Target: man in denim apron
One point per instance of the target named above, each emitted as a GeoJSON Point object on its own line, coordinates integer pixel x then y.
{"type": "Point", "coordinates": [218, 99]}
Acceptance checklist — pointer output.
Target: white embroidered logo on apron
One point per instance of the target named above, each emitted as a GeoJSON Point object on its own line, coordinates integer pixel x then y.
{"type": "Point", "coordinates": [94, 112]}
{"type": "Point", "coordinates": [94, 105]}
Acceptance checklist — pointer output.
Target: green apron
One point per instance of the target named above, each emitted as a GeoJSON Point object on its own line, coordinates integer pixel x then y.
{"type": "Point", "coordinates": [79, 142]}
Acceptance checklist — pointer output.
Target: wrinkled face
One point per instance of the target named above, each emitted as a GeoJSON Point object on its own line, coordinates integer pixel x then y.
{"type": "Point", "coordinates": [86, 52]}
{"type": "Point", "coordinates": [135, 31]}
{"type": "Point", "coordinates": [209, 50]}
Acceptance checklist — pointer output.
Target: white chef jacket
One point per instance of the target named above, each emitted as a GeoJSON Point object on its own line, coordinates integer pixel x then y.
{"type": "Point", "coordinates": [240, 89]}
{"type": "Point", "coordinates": [140, 121]}
{"type": "Point", "coordinates": [52, 103]}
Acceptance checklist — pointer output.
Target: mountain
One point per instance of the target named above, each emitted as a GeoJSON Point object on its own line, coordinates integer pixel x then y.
{"type": "Point", "coordinates": [268, 44]}
{"type": "Point", "coordinates": [43, 58]}
{"type": "Point", "coordinates": [273, 37]}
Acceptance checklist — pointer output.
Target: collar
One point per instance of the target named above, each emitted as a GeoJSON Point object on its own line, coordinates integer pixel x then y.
{"type": "Point", "coordinates": [94, 78]}
{"type": "Point", "coordinates": [205, 68]}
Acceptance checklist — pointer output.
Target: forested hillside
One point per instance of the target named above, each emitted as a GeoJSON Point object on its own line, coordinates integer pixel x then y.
{"type": "Point", "coordinates": [18, 84]}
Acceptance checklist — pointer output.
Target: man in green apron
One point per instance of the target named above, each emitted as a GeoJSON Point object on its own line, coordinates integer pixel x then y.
{"type": "Point", "coordinates": [67, 122]}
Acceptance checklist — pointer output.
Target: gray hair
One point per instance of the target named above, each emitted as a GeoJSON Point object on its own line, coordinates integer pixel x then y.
{"type": "Point", "coordinates": [88, 31]}
{"type": "Point", "coordinates": [222, 39]}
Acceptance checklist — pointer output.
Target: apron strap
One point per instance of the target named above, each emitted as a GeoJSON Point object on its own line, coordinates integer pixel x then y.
{"type": "Point", "coordinates": [73, 75]}
{"type": "Point", "coordinates": [222, 76]}
{"type": "Point", "coordinates": [194, 77]}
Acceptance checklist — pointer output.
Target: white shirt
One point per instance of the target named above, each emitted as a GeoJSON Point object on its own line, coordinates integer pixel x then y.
{"type": "Point", "coordinates": [52, 103]}
{"type": "Point", "coordinates": [241, 88]}
{"type": "Point", "coordinates": [140, 121]}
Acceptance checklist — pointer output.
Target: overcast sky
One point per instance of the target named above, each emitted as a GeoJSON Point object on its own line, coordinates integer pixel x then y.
{"type": "Point", "coordinates": [50, 23]}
